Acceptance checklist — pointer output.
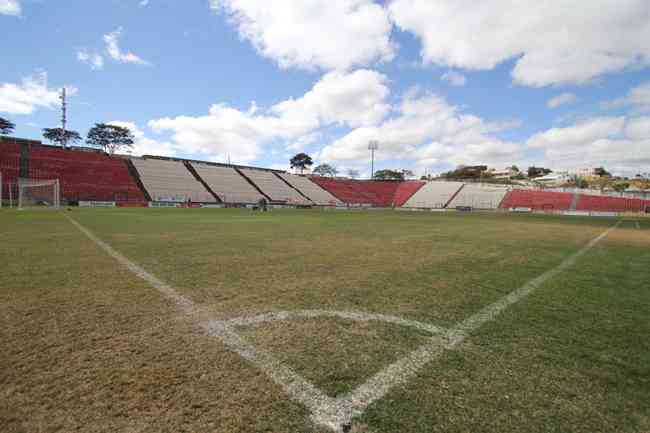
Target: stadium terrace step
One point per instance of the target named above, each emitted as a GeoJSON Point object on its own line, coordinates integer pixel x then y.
{"type": "Point", "coordinates": [170, 181]}
{"type": "Point", "coordinates": [227, 183]}
{"type": "Point", "coordinates": [537, 200]}
{"type": "Point", "coordinates": [479, 197]}
{"type": "Point", "coordinates": [405, 191]}
{"type": "Point", "coordinates": [434, 195]}
{"type": "Point", "coordinates": [375, 193]}
{"type": "Point", "coordinates": [84, 175]}
{"type": "Point", "coordinates": [311, 189]}
{"type": "Point", "coordinates": [274, 187]}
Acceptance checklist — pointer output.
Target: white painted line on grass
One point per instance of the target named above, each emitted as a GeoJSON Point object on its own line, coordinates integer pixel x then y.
{"type": "Point", "coordinates": [404, 369]}
{"type": "Point", "coordinates": [336, 413]}
{"type": "Point", "coordinates": [637, 225]}
{"type": "Point", "coordinates": [293, 384]}
{"type": "Point", "coordinates": [357, 316]}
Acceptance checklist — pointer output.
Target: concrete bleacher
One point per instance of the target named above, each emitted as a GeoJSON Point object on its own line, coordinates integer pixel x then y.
{"type": "Point", "coordinates": [310, 189]}
{"type": "Point", "coordinates": [537, 200]}
{"type": "Point", "coordinates": [598, 203]}
{"type": "Point", "coordinates": [479, 196]}
{"type": "Point", "coordinates": [376, 193]}
{"type": "Point", "coordinates": [274, 187]}
{"type": "Point", "coordinates": [9, 167]}
{"type": "Point", "coordinates": [85, 175]}
{"type": "Point", "coordinates": [170, 181]}
{"type": "Point", "coordinates": [434, 195]}
{"type": "Point", "coordinates": [406, 190]}
{"type": "Point", "coordinates": [225, 182]}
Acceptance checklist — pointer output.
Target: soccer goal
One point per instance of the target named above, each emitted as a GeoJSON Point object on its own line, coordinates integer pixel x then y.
{"type": "Point", "coordinates": [39, 193]}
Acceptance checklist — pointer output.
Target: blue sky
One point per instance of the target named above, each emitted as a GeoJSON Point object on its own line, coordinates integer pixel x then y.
{"type": "Point", "coordinates": [438, 82]}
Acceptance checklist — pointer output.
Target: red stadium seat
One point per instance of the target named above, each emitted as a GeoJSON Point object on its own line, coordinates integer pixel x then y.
{"type": "Point", "coordinates": [406, 190]}
{"type": "Point", "coordinates": [85, 175]}
{"type": "Point", "coordinates": [377, 193]}
{"type": "Point", "coordinates": [537, 200]}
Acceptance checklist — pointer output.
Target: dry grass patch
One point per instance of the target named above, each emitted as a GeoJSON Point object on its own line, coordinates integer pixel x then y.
{"type": "Point", "coordinates": [334, 354]}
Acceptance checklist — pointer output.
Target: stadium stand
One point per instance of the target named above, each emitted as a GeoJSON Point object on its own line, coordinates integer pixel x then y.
{"type": "Point", "coordinates": [170, 181]}
{"type": "Point", "coordinates": [479, 197]}
{"type": "Point", "coordinates": [84, 175]}
{"type": "Point", "coordinates": [375, 193]}
{"type": "Point", "coordinates": [405, 190]}
{"type": "Point", "coordinates": [229, 185]}
{"type": "Point", "coordinates": [310, 189]}
{"type": "Point", "coordinates": [597, 203]}
{"type": "Point", "coordinates": [274, 187]}
{"type": "Point", "coordinates": [537, 200]}
{"type": "Point", "coordinates": [434, 195]}
{"type": "Point", "coordinates": [9, 166]}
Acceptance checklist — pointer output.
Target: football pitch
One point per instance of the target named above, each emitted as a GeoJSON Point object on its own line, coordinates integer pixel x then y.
{"type": "Point", "coordinates": [228, 320]}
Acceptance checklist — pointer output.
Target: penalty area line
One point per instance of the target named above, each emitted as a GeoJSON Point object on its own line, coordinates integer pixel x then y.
{"type": "Point", "coordinates": [337, 413]}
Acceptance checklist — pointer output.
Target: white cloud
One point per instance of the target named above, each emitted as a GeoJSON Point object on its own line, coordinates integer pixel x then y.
{"type": "Point", "coordinates": [144, 145]}
{"type": "Point", "coordinates": [329, 34]}
{"type": "Point", "coordinates": [454, 78]}
{"type": "Point", "coordinates": [143, 3]}
{"type": "Point", "coordinates": [10, 7]}
{"type": "Point", "coordinates": [430, 131]}
{"type": "Point", "coordinates": [638, 128]}
{"type": "Point", "coordinates": [94, 60]}
{"type": "Point", "coordinates": [562, 99]}
{"type": "Point", "coordinates": [26, 97]}
{"type": "Point", "coordinates": [578, 135]}
{"type": "Point", "coordinates": [115, 53]}
{"type": "Point", "coordinates": [638, 98]}
{"type": "Point", "coordinates": [553, 42]}
{"type": "Point", "coordinates": [620, 144]}
{"type": "Point", "coordinates": [353, 99]}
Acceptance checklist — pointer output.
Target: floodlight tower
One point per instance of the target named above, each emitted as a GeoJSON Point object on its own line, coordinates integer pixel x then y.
{"type": "Point", "coordinates": [64, 118]}
{"type": "Point", "coordinates": [372, 146]}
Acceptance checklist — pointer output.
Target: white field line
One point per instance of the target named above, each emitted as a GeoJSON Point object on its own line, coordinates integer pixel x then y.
{"type": "Point", "coordinates": [338, 412]}
{"type": "Point", "coordinates": [404, 369]}
{"type": "Point", "coordinates": [357, 316]}
{"type": "Point", "coordinates": [637, 225]}
{"type": "Point", "coordinates": [293, 384]}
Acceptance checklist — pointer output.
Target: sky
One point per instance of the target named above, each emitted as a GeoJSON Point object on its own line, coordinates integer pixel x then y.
{"type": "Point", "coordinates": [563, 84]}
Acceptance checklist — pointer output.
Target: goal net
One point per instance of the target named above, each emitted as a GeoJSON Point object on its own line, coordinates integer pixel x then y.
{"type": "Point", "coordinates": [38, 193]}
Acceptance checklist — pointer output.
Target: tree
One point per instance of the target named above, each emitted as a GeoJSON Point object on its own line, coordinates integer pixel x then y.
{"type": "Point", "coordinates": [301, 161]}
{"type": "Point", "coordinates": [621, 186]}
{"type": "Point", "coordinates": [538, 171]}
{"type": "Point", "coordinates": [61, 137]}
{"type": "Point", "coordinates": [6, 126]}
{"type": "Point", "coordinates": [326, 170]}
{"type": "Point", "coordinates": [580, 182]}
{"type": "Point", "coordinates": [601, 172]}
{"type": "Point", "coordinates": [514, 169]}
{"type": "Point", "coordinates": [353, 174]}
{"type": "Point", "coordinates": [110, 138]}
{"type": "Point", "coordinates": [407, 174]}
{"type": "Point", "coordinates": [389, 175]}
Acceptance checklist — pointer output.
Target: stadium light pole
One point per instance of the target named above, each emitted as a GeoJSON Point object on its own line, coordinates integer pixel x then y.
{"type": "Point", "coordinates": [372, 146]}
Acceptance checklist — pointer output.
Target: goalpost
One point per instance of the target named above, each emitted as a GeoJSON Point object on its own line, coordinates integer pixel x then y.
{"type": "Point", "coordinates": [39, 193]}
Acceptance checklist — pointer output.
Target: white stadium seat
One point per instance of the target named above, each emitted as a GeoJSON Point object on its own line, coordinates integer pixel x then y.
{"type": "Point", "coordinates": [274, 187]}
{"type": "Point", "coordinates": [167, 180]}
{"type": "Point", "coordinates": [433, 195]}
{"type": "Point", "coordinates": [479, 196]}
{"type": "Point", "coordinates": [317, 194]}
{"type": "Point", "coordinates": [230, 186]}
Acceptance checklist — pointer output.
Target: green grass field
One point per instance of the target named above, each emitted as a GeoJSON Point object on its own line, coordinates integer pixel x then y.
{"type": "Point", "coordinates": [89, 346]}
